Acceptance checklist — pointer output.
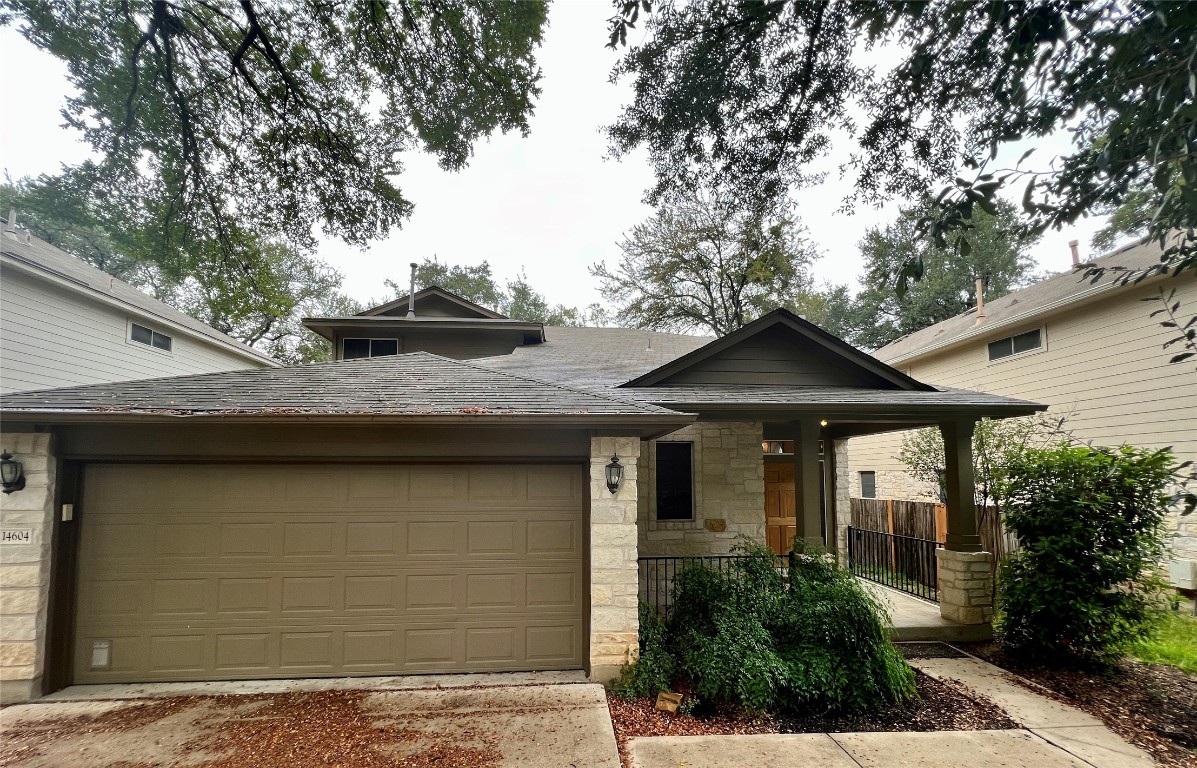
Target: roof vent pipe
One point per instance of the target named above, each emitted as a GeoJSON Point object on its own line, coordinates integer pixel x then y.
{"type": "Point", "coordinates": [980, 301]}
{"type": "Point", "coordinates": [411, 294]}
{"type": "Point", "coordinates": [1076, 252]}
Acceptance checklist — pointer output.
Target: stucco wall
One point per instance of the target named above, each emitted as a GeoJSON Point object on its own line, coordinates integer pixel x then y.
{"type": "Point", "coordinates": [25, 568]}
{"type": "Point", "coordinates": [729, 492]}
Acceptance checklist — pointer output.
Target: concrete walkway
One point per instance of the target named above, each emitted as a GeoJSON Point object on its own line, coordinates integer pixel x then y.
{"type": "Point", "coordinates": [1053, 735]}
{"type": "Point", "coordinates": [1066, 727]}
{"type": "Point", "coordinates": [919, 620]}
{"type": "Point", "coordinates": [521, 726]}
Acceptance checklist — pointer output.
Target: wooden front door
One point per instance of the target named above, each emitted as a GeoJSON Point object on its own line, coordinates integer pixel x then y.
{"type": "Point", "coordinates": [780, 523]}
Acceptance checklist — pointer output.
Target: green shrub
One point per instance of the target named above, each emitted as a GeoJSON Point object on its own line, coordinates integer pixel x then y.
{"type": "Point", "coordinates": [1083, 587]}
{"type": "Point", "coordinates": [653, 671]}
{"type": "Point", "coordinates": [820, 641]}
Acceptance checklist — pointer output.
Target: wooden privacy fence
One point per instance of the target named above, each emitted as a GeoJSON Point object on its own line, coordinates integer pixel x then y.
{"type": "Point", "coordinates": [929, 520]}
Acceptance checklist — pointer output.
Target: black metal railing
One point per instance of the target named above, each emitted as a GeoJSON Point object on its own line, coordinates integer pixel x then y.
{"type": "Point", "coordinates": [658, 574]}
{"type": "Point", "coordinates": [904, 563]}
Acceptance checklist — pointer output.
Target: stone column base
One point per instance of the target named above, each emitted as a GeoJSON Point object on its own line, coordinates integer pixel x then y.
{"type": "Point", "coordinates": [965, 586]}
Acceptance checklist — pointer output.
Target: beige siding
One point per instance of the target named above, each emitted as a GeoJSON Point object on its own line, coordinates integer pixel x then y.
{"type": "Point", "coordinates": [52, 337]}
{"type": "Point", "coordinates": [1103, 367]}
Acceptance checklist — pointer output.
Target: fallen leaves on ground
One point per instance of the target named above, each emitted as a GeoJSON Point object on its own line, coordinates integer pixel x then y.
{"type": "Point", "coordinates": [939, 707]}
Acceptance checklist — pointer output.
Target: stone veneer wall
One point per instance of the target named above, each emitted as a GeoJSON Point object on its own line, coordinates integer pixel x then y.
{"type": "Point", "coordinates": [614, 587]}
{"type": "Point", "coordinates": [842, 500]}
{"type": "Point", "coordinates": [729, 492]}
{"type": "Point", "coordinates": [892, 484]}
{"type": "Point", "coordinates": [25, 568]}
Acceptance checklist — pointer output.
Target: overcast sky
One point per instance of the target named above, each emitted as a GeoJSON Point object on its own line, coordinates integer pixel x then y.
{"type": "Point", "coordinates": [551, 203]}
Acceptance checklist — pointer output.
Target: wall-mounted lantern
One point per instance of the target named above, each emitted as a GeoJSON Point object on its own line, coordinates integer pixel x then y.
{"type": "Point", "coordinates": [12, 473]}
{"type": "Point", "coordinates": [614, 474]}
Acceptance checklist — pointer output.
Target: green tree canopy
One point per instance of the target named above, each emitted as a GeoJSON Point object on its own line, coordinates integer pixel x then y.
{"type": "Point", "coordinates": [517, 299]}
{"type": "Point", "coordinates": [703, 261]}
{"type": "Point", "coordinates": [998, 256]}
{"type": "Point", "coordinates": [752, 91]}
{"type": "Point", "coordinates": [275, 117]}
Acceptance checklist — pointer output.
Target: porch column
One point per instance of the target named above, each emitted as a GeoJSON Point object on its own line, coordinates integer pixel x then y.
{"type": "Point", "coordinates": [961, 500]}
{"type": "Point", "coordinates": [965, 571]}
{"type": "Point", "coordinates": [614, 582]}
{"type": "Point", "coordinates": [25, 570]}
{"type": "Point", "coordinates": [807, 515]}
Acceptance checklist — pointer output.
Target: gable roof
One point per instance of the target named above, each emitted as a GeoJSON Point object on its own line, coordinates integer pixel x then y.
{"type": "Point", "coordinates": [1024, 306]}
{"type": "Point", "coordinates": [829, 348]}
{"type": "Point", "coordinates": [417, 385]}
{"type": "Point", "coordinates": [461, 307]}
{"type": "Point", "coordinates": [595, 358]}
{"type": "Point", "coordinates": [42, 261]}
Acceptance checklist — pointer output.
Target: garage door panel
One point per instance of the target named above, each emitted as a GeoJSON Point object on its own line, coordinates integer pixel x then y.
{"type": "Point", "coordinates": [369, 576]}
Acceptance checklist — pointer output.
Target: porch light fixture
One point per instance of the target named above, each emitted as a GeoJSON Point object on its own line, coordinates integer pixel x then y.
{"type": "Point", "coordinates": [12, 474]}
{"type": "Point", "coordinates": [614, 474]}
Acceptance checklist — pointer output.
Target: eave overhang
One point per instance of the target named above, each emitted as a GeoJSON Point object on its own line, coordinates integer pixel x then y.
{"type": "Point", "coordinates": [328, 327]}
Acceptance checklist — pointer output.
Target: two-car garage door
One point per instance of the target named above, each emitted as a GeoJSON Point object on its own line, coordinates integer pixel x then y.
{"type": "Point", "coordinates": [193, 572]}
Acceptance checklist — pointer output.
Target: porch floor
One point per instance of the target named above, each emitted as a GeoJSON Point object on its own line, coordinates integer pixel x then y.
{"type": "Point", "coordinates": [915, 619]}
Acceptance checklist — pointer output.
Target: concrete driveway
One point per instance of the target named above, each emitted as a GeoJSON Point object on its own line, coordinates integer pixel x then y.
{"type": "Point", "coordinates": [526, 725]}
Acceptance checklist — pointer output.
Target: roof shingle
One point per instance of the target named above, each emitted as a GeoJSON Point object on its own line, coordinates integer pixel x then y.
{"type": "Point", "coordinates": [414, 384]}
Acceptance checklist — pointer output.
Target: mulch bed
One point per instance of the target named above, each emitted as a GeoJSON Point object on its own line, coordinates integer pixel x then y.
{"type": "Point", "coordinates": [1153, 706]}
{"type": "Point", "coordinates": [939, 707]}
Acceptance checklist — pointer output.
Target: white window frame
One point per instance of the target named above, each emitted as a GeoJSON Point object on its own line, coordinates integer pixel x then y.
{"type": "Point", "coordinates": [141, 344]}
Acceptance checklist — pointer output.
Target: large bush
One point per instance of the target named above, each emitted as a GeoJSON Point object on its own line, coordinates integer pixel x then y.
{"type": "Point", "coordinates": [750, 637]}
{"type": "Point", "coordinates": [1090, 522]}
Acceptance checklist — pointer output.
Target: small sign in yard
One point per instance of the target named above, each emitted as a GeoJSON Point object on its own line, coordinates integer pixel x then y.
{"type": "Point", "coordinates": [668, 702]}
{"type": "Point", "coordinates": [16, 537]}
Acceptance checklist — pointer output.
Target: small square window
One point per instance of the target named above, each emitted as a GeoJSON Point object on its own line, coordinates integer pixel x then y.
{"type": "Point", "coordinates": [675, 481]}
{"type": "Point", "coordinates": [356, 348]}
{"type": "Point", "coordinates": [383, 347]}
{"type": "Point", "coordinates": [144, 335]}
{"type": "Point", "coordinates": [868, 485]}
{"type": "Point", "coordinates": [141, 334]}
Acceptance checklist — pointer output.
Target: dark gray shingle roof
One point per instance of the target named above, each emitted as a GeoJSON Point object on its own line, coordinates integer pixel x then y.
{"type": "Point", "coordinates": [414, 384]}
{"type": "Point", "coordinates": [595, 358]}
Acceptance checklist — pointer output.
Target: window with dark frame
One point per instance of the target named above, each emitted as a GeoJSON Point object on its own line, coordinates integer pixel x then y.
{"type": "Point", "coordinates": [675, 481]}
{"type": "Point", "coordinates": [868, 485]}
{"type": "Point", "coordinates": [356, 349]}
{"type": "Point", "coordinates": [149, 337]}
{"type": "Point", "coordinates": [1017, 344]}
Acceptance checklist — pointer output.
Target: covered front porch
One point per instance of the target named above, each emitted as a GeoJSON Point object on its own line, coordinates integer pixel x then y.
{"type": "Point", "coordinates": [782, 476]}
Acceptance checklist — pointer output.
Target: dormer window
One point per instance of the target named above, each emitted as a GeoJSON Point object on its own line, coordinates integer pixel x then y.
{"type": "Point", "coordinates": [356, 349]}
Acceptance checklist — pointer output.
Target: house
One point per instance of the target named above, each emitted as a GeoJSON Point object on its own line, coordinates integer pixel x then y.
{"type": "Point", "coordinates": [63, 323]}
{"type": "Point", "coordinates": [456, 492]}
{"type": "Point", "coordinates": [1091, 351]}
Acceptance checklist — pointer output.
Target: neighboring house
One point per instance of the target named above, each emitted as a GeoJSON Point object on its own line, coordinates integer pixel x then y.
{"type": "Point", "coordinates": [63, 322]}
{"type": "Point", "coordinates": [437, 498]}
{"type": "Point", "coordinates": [1091, 351]}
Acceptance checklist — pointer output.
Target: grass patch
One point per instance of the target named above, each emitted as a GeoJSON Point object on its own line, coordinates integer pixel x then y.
{"type": "Point", "coordinates": [1174, 643]}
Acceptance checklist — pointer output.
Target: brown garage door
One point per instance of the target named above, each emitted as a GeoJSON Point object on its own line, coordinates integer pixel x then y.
{"type": "Point", "coordinates": [223, 572]}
